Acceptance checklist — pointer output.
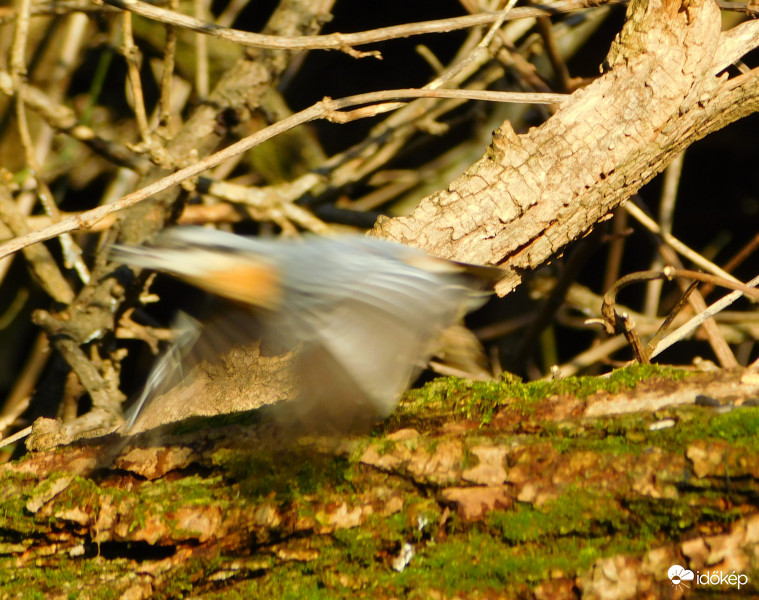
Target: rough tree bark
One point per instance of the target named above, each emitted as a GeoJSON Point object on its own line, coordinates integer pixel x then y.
{"type": "Point", "coordinates": [664, 87]}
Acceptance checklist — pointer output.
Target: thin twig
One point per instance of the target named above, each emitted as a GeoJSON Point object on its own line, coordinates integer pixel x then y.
{"type": "Point", "coordinates": [231, 12]}
{"type": "Point", "coordinates": [18, 399]}
{"type": "Point", "coordinates": [702, 317]}
{"type": "Point", "coordinates": [133, 59]}
{"type": "Point", "coordinates": [717, 341]}
{"type": "Point", "coordinates": [71, 252]}
{"type": "Point", "coordinates": [201, 51]}
{"type": "Point", "coordinates": [325, 109]}
{"type": "Point", "coordinates": [65, 120]}
{"type": "Point", "coordinates": [40, 260]}
{"type": "Point", "coordinates": [19, 435]}
{"type": "Point", "coordinates": [736, 260]}
{"type": "Point", "coordinates": [475, 56]}
{"type": "Point", "coordinates": [554, 54]}
{"type": "Point", "coordinates": [616, 248]}
{"type": "Point", "coordinates": [693, 256]}
{"type": "Point", "coordinates": [673, 314]}
{"type": "Point", "coordinates": [338, 41]}
{"type": "Point", "coordinates": [668, 273]}
{"type": "Point", "coordinates": [666, 211]}
{"type": "Point", "coordinates": [8, 14]}
{"type": "Point", "coordinates": [589, 357]}
{"type": "Point", "coordinates": [615, 322]}
{"type": "Point", "coordinates": [167, 74]}
{"type": "Point", "coordinates": [105, 397]}
{"type": "Point", "coordinates": [274, 202]}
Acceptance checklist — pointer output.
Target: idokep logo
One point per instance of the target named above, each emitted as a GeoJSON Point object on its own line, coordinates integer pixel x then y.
{"type": "Point", "coordinates": [680, 576]}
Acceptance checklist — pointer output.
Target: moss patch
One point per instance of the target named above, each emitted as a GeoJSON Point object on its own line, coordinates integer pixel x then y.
{"type": "Point", "coordinates": [451, 397]}
{"type": "Point", "coordinates": [246, 521]}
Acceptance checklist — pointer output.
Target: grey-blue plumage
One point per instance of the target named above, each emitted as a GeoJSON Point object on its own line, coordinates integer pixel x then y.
{"type": "Point", "coordinates": [363, 314]}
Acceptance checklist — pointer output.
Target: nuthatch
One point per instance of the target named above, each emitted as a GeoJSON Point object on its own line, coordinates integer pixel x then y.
{"type": "Point", "coordinates": [362, 314]}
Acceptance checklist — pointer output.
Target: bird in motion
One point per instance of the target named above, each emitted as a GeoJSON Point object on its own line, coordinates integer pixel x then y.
{"type": "Point", "coordinates": [362, 316]}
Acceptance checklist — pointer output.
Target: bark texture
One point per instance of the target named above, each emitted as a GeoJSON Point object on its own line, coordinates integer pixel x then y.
{"type": "Point", "coordinates": [533, 193]}
{"type": "Point", "coordinates": [585, 488]}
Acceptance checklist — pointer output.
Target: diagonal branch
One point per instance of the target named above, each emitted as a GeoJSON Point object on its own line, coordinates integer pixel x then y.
{"type": "Point", "coordinates": [532, 194]}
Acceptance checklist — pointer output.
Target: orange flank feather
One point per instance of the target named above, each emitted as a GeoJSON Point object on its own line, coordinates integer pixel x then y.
{"type": "Point", "coordinates": [250, 283]}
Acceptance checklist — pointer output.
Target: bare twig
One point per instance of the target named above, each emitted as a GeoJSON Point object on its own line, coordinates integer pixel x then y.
{"type": "Point", "coordinates": [475, 56]}
{"type": "Point", "coordinates": [699, 319]}
{"type": "Point", "coordinates": [719, 345]}
{"type": "Point", "coordinates": [16, 437]}
{"type": "Point", "coordinates": [681, 303]}
{"type": "Point", "coordinates": [693, 256]}
{"type": "Point", "coordinates": [615, 322]}
{"type": "Point", "coordinates": [63, 119]}
{"type": "Point", "coordinates": [589, 357]}
{"type": "Point", "coordinates": [616, 248]}
{"type": "Point", "coordinates": [201, 50]}
{"type": "Point", "coordinates": [666, 212]}
{"type": "Point", "coordinates": [167, 73]}
{"type": "Point", "coordinates": [554, 55]}
{"type": "Point", "coordinates": [64, 7]}
{"type": "Point", "coordinates": [42, 263]}
{"type": "Point", "coordinates": [336, 41]}
{"type": "Point", "coordinates": [231, 11]}
{"type": "Point", "coordinates": [133, 59]}
{"type": "Point", "coordinates": [736, 260]}
{"type": "Point", "coordinates": [71, 252]}
{"type": "Point", "coordinates": [326, 109]}
{"type": "Point", "coordinates": [18, 399]}
{"type": "Point", "coordinates": [274, 203]}
{"type": "Point", "coordinates": [105, 398]}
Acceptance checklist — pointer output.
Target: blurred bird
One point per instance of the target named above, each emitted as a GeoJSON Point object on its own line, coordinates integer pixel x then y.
{"type": "Point", "coordinates": [362, 315]}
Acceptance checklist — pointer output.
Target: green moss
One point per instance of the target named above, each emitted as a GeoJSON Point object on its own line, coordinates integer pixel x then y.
{"type": "Point", "coordinates": [481, 400]}
{"type": "Point", "coordinates": [587, 514]}
{"type": "Point", "coordinates": [632, 434]}
{"type": "Point", "coordinates": [613, 435]}
{"type": "Point", "coordinates": [60, 576]}
{"type": "Point", "coordinates": [385, 446]}
{"type": "Point", "coordinates": [509, 550]}
{"type": "Point", "coordinates": [248, 418]}
{"type": "Point", "coordinates": [192, 575]}
{"type": "Point", "coordinates": [466, 562]}
{"type": "Point", "coordinates": [671, 517]}
{"type": "Point", "coordinates": [17, 488]}
{"type": "Point", "coordinates": [477, 561]}
{"type": "Point", "coordinates": [285, 474]}
{"type": "Point", "coordinates": [739, 427]}
{"type": "Point", "coordinates": [360, 546]}
{"type": "Point", "coordinates": [584, 512]}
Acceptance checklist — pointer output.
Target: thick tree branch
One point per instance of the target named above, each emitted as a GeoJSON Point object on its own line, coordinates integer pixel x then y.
{"type": "Point", "coordinates": [532, 194]}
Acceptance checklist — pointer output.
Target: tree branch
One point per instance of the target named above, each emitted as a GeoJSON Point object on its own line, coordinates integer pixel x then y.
{"type": "Point", "coordinates": [532, 194]}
